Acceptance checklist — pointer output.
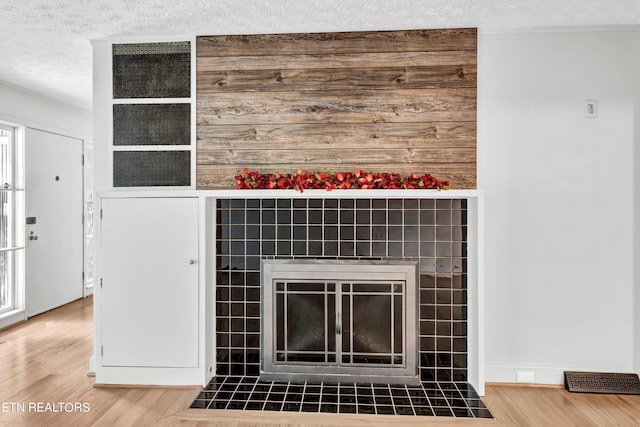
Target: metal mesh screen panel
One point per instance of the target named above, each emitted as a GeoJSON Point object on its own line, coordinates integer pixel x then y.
{"type": "Point", "coordinates": [151, 168]}
{"type": "Point", "coordinates": [152, 124]}
{"type": "Point", "coordinates": [152, 70]}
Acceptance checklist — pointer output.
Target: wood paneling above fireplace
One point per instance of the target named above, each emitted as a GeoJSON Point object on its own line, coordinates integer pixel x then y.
{"type": "Point", "coordinates": [396, 101]}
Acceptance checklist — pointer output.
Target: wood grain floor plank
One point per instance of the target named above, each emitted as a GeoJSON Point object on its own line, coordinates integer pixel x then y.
{"type": "Point", "coordinates": [45, 360]}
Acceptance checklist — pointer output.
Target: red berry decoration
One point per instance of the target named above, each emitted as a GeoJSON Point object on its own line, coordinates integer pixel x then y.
{"type": "Point", "coordinates": [301, 180]}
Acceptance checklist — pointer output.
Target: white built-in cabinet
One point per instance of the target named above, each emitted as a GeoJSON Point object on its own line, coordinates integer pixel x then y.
{"type": "Point", "coordinates": [153, 282]}
{"type": "Point", "coordinates": [148, 298]}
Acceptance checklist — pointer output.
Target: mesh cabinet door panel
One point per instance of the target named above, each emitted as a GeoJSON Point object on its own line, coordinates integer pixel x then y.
{"type": "Point", "coordinates": [152, 70]}
{"type": "Point", "coordinates": [151, 168]}
{"type": "Point", "coordinates": [151, 124]}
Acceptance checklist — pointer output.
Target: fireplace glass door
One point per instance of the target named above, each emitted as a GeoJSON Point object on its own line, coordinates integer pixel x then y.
{"type": "Point", "coordinates": [306, 322]}
{"type": "Point", "coordinates": [366, 329]}
{"type": "Point", "coordinates": [354, 324]}
{"type": "Point", "coordinates": [372, 323]}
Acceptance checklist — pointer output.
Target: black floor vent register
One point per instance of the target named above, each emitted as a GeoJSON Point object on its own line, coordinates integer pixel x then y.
{"type": "Point", "coordinates": [596, 382]}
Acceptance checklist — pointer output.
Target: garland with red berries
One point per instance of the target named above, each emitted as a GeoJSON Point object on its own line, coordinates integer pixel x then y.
{"type": "Point", "coordinates": [302, 180]}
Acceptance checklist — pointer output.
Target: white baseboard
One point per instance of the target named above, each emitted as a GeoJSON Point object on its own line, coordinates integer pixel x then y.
{"type": "Point", "coordinates": [150, 376]}
{"type": "Point", "coordinates": [509, 374]}
{"type": "Point", "coordinates": [541, 375]}
{"type": "Point", "coordinates": [11, 317]}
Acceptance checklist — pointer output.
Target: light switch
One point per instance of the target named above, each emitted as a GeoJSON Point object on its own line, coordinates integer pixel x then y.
{"type": "Point", "coordinates": [591, 108]}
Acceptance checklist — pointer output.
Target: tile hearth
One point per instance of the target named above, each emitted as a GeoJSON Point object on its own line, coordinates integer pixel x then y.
{"type": "Point", "coordinates": [449, 399]}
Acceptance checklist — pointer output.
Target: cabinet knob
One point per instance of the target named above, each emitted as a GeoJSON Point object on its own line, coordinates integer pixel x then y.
{"type": "Point", "coordinates": [193, 261]}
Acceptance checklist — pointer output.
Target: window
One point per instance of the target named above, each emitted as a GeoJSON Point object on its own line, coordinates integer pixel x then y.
{"type": "Point", "coordinates": [88, 218]}
{"type": "Point", "coordinates": [11, 224]}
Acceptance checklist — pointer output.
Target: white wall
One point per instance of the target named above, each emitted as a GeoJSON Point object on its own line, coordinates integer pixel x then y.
{"type": "Point", "coordinates": [636, 234]}
{"type": "Point", "coordinates": [24, 108]}
{"type": "Point", "coordinates": [102, 111]}
{"type": "Point", "coordinates": [30, 109]}
{"type": "Point", "coordinates": [559, 201]}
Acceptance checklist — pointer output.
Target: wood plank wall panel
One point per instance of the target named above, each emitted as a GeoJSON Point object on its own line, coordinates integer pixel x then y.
{"type": "Point", "coordinates": [394, 101]}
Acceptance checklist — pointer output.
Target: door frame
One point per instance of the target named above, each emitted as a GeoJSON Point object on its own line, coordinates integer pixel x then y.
{"type": "Point", "coordinates": [88, 220]}
{"type": "Point", "coordinates": [17, 312]}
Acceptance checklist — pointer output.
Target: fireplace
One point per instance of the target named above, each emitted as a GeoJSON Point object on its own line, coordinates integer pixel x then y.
{"type": "Point", "coordinates": [429, 232]}
{"type": "Point", "coordinates": [436, 232]}
{"type": "Point", "coordinates": [339, 320]}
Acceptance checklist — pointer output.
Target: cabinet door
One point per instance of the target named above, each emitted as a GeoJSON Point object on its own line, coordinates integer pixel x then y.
{"type": "Point", "coordinates": [149, 296]}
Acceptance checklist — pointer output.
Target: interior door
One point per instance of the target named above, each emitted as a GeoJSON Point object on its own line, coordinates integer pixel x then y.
{"type": "Point", "coordinates": [149, 282]}
{"type": "Point", "coordinates": [54, 241]}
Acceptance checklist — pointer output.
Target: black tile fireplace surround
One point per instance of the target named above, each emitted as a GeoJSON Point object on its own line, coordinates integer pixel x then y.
{"type": "Point", "coordinates": [432, 232]}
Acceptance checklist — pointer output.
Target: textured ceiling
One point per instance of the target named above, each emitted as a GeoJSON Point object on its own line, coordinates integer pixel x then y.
{"type": "Point", "coordinates": [45, 44]}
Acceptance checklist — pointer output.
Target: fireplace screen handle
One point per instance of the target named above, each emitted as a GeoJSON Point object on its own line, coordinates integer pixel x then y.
{"type": "Point", "coordinates": [338, 324]}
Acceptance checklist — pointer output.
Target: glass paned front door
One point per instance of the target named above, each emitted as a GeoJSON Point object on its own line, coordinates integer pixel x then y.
{"type": "Point", "coordinates": [10, 199]}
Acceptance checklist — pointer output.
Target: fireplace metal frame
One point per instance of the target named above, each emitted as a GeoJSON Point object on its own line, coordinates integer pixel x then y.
{"type": "Point", "coordinates": [338, 271]}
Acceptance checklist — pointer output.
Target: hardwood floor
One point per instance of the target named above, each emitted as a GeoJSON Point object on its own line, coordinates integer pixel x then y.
{"type": "Point", "coordinates": [44, 361]}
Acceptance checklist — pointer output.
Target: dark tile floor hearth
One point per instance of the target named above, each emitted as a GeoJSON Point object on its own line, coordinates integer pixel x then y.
{"type": "Point", "coordinates": [429, 399]}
